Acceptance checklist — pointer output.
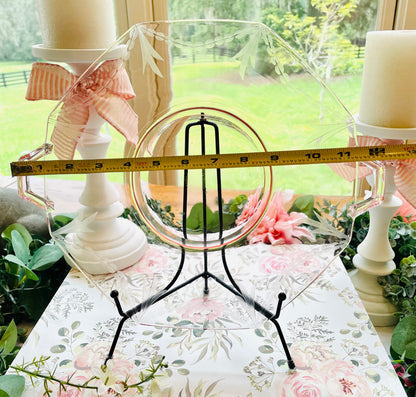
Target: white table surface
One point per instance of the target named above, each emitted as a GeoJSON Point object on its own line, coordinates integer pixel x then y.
{"type": "Point", "coordinates": [333, 342]}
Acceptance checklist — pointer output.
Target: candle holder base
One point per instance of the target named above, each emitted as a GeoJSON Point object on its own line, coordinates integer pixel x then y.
{"type": "Point", "coordinates": [108, 246]}
{"type": "Point", "coordinates": [380, 310]}
{"type": "Point", "coordinates": [375, 255]}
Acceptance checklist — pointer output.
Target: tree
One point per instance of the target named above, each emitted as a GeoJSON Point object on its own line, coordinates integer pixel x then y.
{"type": "Point", "coordinates": [19, 30]}
{"type": "Point", "coordinates": [318, 38]}
{"type": "Point", "coordinates": [362, 20]}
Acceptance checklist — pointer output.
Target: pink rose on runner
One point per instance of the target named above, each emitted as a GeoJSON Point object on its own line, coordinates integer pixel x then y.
{"type": "Point", "coordinates": [152, 261]}
{"type": "Point", "coordinates": [351, 385]}
{"type": "Point", "coordinates": [341, 380]}
{"type": "Point", "coordinates": [111, 379]}
{"type": "Point", "coordinates": [279, 227]}
{"type": "Point", "coordinates": [275, 265]}
{"type": "Point", "coordinates": [69, 390]}
{"type": "Point", "coordinates": [202, 309]}
{"type": "Point", "coordinates": [94, 353]}
{"type": "Point", "coordinates": [302, 384]}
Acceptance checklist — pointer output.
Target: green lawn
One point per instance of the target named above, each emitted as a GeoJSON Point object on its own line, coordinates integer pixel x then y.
{"type": "Point", "coordinates": [23, 123]}
{"type": "Point", "coordinates": [285, 116]}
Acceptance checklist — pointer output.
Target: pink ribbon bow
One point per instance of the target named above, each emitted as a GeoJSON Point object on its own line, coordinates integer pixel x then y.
{"type": "Point", "coordinates": [107, 90]}
{"type": "Point", "coordinates": [404, 176]}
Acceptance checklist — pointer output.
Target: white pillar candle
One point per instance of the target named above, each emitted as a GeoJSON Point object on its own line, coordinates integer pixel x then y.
{"type": "Point", "coordinates": [77, 24]}
{"type": "Point", "coordinates": [388, 93]}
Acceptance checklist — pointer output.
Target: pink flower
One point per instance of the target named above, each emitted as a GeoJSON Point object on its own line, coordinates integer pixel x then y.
{"type": "Point", "coordinates": [351, 385]}
{"type": "Point", "coordinates": [151, 262]}
{"type": "Point", "coordinates": [320, 372]}
{"type": "Point", "coordinates": [302, 384]}
{"type": "Point", "coordinates": [336, 369]}
{"type": "Point", "coordinates": [69, 390]}
{"type": "Point", "coordinates": [111, 379]}
{"type": "Point", "coordinates": [202, 309]}
{"type": "Point", "coordinates": [275, 265]}
{"type": "Point", "coordinates": [406, 208]}
{"type": "Point", "coordinates": [94, 354]}
{"type": "Point", "coordinates": [279, 227]}
{"type": "Point", "coordinates": [249, 208]}
{"type": "Point", "coordinates": [401, 373]}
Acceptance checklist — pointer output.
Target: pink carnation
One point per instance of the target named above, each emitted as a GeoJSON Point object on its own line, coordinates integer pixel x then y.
{"type": "Point", "coordinates": [249, 208]}
{"type": "Point", "coordinates": [277, 226]}
{"type": "Point", "coordinates": [406, 209]}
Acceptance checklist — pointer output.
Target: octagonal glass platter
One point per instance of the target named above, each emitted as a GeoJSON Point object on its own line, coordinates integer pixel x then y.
{"type": "Point", "coordinates": [216, 87]}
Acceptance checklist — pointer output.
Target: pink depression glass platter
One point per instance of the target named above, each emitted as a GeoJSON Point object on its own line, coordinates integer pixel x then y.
{"type": "Point", "coordinates": [220, 86]}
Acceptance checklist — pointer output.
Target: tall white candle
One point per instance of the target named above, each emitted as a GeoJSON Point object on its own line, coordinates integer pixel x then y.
{"type": "Point", "coordinates": [77, 24]}
{"type": "Point", "coordinates": [388, 93]}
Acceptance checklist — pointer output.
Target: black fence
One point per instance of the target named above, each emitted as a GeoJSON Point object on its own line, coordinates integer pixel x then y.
{"type": "Point", "coordinates": [14, 78]}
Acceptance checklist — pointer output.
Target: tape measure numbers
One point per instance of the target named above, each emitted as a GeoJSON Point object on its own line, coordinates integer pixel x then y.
{"type": "Point", "coordinates": [233, 160]}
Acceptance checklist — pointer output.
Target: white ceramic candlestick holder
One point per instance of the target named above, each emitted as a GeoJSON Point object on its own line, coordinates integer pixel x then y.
{"type": "Point", "coordinates": [374, 255]}
{"type": "Point", "coordinates": [108, 243]}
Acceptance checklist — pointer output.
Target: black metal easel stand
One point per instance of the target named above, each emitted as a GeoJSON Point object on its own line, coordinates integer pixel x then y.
{"type": "Point", "coordinates": [206, 275]}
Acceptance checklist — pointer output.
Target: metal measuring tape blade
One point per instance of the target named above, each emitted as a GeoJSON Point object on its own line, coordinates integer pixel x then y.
{"type": "Point", "coordinates": [231, 160]}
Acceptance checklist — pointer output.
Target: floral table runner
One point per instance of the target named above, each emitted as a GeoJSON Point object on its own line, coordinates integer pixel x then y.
{"type": "Point", "coordinates": [218, 346]}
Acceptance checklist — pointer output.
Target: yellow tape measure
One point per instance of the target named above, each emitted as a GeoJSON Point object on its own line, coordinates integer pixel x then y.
{"type": "Point", "coordinates": [233, 160]}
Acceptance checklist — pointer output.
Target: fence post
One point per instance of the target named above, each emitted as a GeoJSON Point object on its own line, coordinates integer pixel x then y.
{"type": "Point", "coordinates": [4, 80]}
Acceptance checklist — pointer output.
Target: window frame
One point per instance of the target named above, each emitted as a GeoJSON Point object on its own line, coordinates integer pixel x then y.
{"type": "Point", "coordinates": [396, 15]}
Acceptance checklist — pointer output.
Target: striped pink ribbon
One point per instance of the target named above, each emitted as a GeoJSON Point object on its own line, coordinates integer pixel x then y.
{"type": "Point", "coordinates": [107, 90]}
{"type": "Point", "coordinates": [404, 177]}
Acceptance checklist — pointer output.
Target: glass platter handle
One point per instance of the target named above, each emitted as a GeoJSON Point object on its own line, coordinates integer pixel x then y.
{"type": "Point", "coordinates": [23, 182]}
{"type": "Point", "coordinates": [375, 196]}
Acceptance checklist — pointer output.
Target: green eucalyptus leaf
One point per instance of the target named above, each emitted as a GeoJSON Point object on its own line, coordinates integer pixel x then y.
{"type": "Point", "coordinates": [403, 340]}
{"type": "Point", "coordinates": [9, 339]}
{"type": "Point", "coordinates": [57, 349]}
{"type": "Point", "coordinates": [62, 220]}
{"type": "Point", "coordinates": [213, 222]}
{"type": "Point", "coordinates": [304, 204]}
{"type": "Point", "coordinates": [45, 257]}
{"type": "Point", "coordinates": [21, 250]}
{"type": "Point", "coordinates": [7, 233]}
{"type": "Point", "coordinates": [195, 220]}
{"type": "Point", "coordinates": [260, 332]}
{"type": "Point", "coordinates": [237, 205]}
{"type": "Point", "coordinates": [198, 332]}
{"type": "Point", "coordinates": [14, 259]}
{"type": "Point", "coordinates": [12, 385]}
{"type": "Point", "coordinates": [29, 274]}
{"type": "Point", "coordinates": [266, 349]}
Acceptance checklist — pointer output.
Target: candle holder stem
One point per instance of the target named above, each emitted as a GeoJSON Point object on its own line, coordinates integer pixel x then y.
{"type": "Point", "coordinates": [105, 243]}
{"type": "Point", "coordinates": [109, 243]}
{"type": "Point", "coordinates": [375, 257]}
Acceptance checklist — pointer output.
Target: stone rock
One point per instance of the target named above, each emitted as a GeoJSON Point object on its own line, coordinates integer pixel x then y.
{"type": "Point", "coordinates": [14, 209]}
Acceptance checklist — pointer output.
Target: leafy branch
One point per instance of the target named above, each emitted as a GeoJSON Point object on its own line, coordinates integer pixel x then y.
{"type": "Point", "coordinates": [35, 369]}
